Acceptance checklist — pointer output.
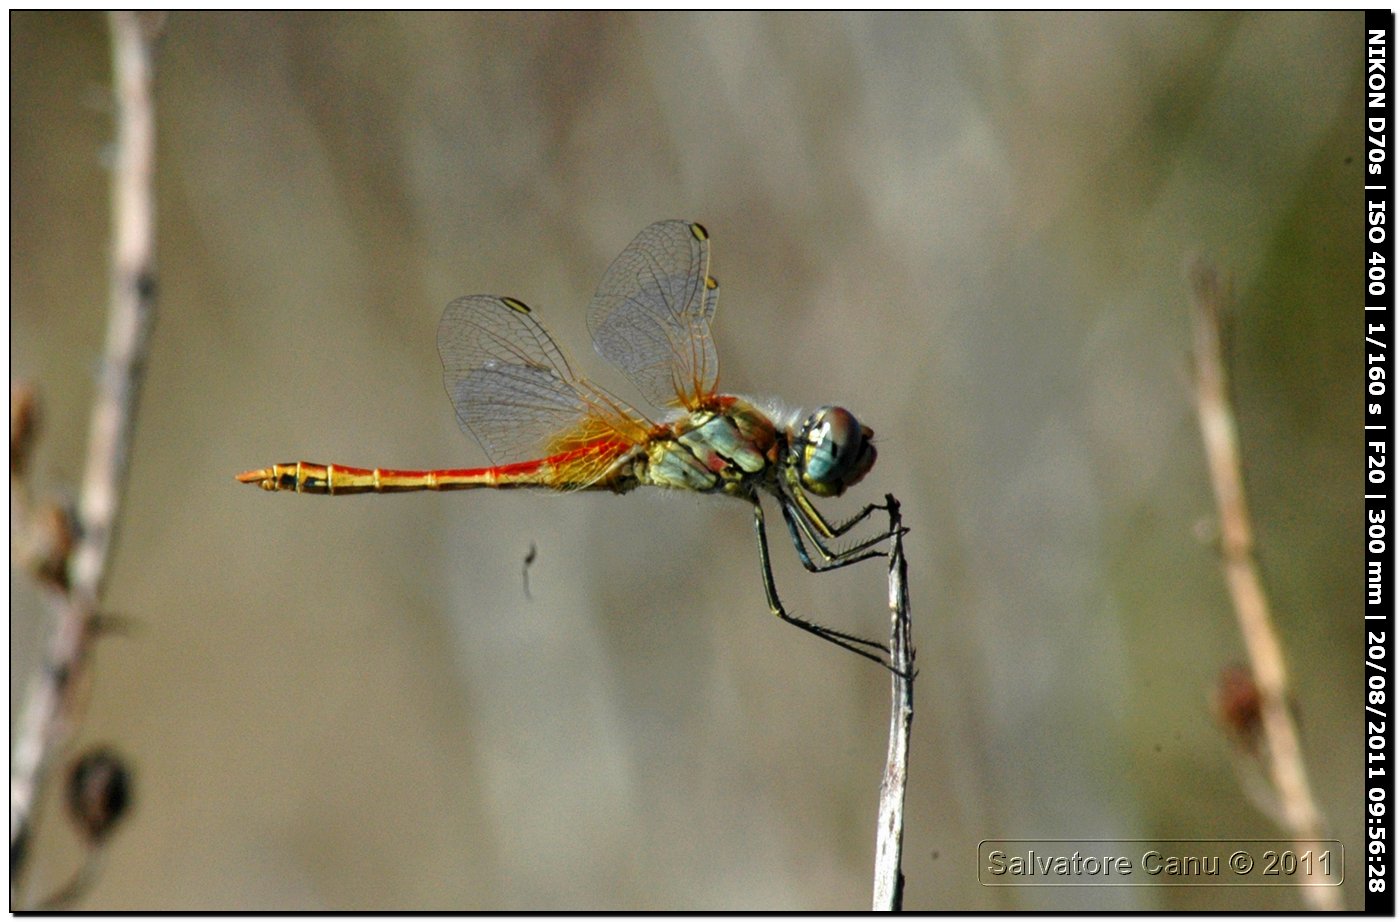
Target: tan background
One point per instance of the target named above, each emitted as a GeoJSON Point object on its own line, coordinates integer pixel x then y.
{"type": "Point", "coordinates": [970, 229]}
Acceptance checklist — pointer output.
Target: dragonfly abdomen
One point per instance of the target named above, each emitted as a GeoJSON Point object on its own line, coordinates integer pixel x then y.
{"type": "Point", "coordinates": [332, 479]}
{"type": "Point", "coordinates": [337, 479]}
{"type": "Point", "coordinates": [599, 464]}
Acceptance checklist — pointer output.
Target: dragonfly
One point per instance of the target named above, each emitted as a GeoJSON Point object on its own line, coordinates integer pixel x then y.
{"type": "Point", "coordinates": [544, 426]}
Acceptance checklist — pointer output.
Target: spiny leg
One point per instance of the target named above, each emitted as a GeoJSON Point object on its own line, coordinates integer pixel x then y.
{"type": "Point", "coordinates": [775, 605]}
{"type": "Point", "coordinates": [815, 518]}
{"type": "Point", "coordinates": [798, 528]}
{"type": "Point", "coordinates": [839, 530]}
{"type": "Point", "coordinates": [799, 513]}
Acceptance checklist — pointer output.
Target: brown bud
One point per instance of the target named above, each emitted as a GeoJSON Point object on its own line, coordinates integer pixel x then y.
{"type": "Point", "coordinates": [53, 540]}
{"type": "Point", "coordinates": [24, 425]}
{"type": "Point", "coordinates": [99, 793]}
{"type": "Point", "coordinates": [1237, 705]}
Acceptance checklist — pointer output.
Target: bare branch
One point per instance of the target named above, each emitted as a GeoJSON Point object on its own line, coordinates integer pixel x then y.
{"type": "Point", "coordinates": [889, 833]}
{"type": "Point", "coordinates": [1300, 815]}
{"type": "Point", "coordinates": [50, 717]}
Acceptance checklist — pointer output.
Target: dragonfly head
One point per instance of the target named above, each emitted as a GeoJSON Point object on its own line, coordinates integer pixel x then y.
{"type": "Point", "coordinates": [832, 451]}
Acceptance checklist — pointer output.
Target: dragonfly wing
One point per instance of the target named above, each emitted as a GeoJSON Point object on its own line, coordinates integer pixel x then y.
{"type": "Point", "coordinates": [651, 315]}
{"type": "Point", "coordinates": [514, 391]}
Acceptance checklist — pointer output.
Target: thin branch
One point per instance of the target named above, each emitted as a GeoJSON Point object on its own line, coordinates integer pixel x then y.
{"type": "Point", "coordinates": [76, 886]}
{"type": "Point", "coordinates": [1300, 815]}
{"type": "Point", "coordinates": [50, 717]}
{"type": "Point", "coordinates": [889, 833]}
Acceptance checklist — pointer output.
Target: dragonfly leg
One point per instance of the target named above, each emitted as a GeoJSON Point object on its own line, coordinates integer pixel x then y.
{"type": "Point", "coordinates": [857, 645]}
{"type": "Point", "coordinates": [832, 559]}
{"type": "Point", "coordinates": [816, 519]}
{"type": "Point", "coordinates": [799, 513]}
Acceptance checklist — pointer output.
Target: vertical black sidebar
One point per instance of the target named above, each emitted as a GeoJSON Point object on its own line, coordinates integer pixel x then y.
{"type": "Point", "coordinates": [1378, 332]}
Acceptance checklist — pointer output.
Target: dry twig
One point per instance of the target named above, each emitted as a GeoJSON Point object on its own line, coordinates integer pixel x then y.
{"type": "Point", "coordinates": [1299, 813]}
{"type": "Point", "coordinates": [50, 716]}
{"type": "Point", "coordinates": [889, 833]}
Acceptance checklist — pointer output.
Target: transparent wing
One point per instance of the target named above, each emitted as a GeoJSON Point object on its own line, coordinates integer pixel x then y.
{"type": "Point", "coordinates": [514, 391]}
{"type": "Point", "coordinates": [651, 315]}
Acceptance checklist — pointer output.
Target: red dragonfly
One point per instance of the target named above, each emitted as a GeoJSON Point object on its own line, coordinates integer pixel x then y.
{"type": "Point", "coordinates": [544, 426]}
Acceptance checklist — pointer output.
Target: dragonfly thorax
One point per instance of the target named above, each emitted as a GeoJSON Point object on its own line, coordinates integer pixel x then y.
{"type": "Point", "coordinates": [832, 451]}
{"type": "Point", "coordinates": [725, 449]}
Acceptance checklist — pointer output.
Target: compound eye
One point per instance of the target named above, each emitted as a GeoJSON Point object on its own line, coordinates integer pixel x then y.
{"type": "Point", "coordinates": [835, 452]}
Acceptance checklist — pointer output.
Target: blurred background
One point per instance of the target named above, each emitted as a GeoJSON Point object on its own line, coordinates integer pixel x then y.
{"type": "Point", "coordinates": [972, 230]}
